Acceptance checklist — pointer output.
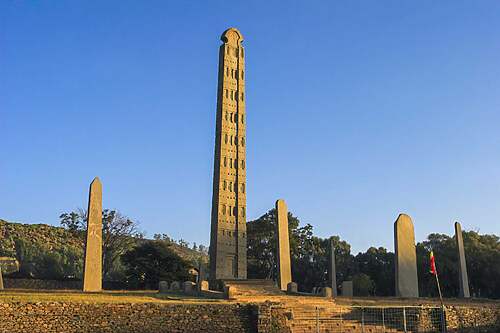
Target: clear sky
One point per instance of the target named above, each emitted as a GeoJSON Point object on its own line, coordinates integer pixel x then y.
{"type": "Point", "coordinates": [357, 111]}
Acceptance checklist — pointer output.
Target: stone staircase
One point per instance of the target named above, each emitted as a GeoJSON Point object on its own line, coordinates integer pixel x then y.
{"type": "Point", "coordinates": [323, 316]}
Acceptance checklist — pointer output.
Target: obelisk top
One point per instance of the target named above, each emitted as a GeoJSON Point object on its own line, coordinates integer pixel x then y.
{"type": "Point", "coordinates": [232, 36]}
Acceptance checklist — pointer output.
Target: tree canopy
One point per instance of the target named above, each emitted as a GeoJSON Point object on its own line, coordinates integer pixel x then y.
{"type": "Point", "coordinates": [373, 271]}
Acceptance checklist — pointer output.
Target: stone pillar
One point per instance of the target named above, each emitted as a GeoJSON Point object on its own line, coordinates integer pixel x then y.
{"type": "Point", "coordinates": [462, 268]}
{"type": "Point", "coordinates": [163, 287]}
{"type": "Point", "coordinates": [1, 279]}
{"type": "Point", "coordinates": [347, 289]}
{"type": "Point", "coordinates": [332, 271]}
{"type": "Point", "coordinates": [92, 273]}
{"type": "Point", "coordinates": [283, 245]}
{"type": "Point", "coordinates": [405, 257]}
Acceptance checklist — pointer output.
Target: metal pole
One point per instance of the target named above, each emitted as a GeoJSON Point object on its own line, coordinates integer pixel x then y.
{"type": "Point", "coordinates": [383, 319]}
{"type": "Point", "coordinates": [362, 320]}
{"type": "Point", "coordinates": [404, 319]}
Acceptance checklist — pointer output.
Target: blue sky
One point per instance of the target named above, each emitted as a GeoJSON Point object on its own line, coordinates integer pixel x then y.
{"type": "Point", "coordinates": [357, 111]}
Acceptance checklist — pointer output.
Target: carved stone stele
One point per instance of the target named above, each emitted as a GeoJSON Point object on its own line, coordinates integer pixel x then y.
{"type": "Point", "coordinates": [283, 245]}
{"type": "Point", "coordinates": [462, 268]}
{"type": "Point", "coordinates": [92, 273]}
{"type": "Point", "coordinates": [332, 271]}
{"type": "Point", "coordinates": [228, 241]}
{"type": "Point", "coordinates": [405, 257]}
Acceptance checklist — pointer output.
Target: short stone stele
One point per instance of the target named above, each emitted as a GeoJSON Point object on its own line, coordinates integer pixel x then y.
{"type": "Point", "coordinates": [163, 286]}
{"type": "Point", "coordinates": [405, 257]}
{"type": "Point", "coordinates": [327, 292]}
{"type": "Point", "coordinates": [189, 287]}
{"type": "Point", "coordinates": [92, 276]}
{"type": "Point", "coordinates": [283, 246]}
{"type": "Point", "coordinates": [175, 286]}
{"type": "Point", "coordinates": [203, 285]}
{"type": "Point", "coordinates": [347, 289]}
{"type": "Point", "coordinates": [462, 268]}
{"type": "Point", "coordinates": [292, 288]}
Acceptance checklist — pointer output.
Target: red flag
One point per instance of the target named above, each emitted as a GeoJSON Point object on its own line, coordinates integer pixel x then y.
{"type": "Point", "coordinates": [433, 264]}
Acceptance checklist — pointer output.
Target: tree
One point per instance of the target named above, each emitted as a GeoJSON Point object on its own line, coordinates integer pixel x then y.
{"type": "Point", "coordinates": [308, 253]}
{"type": "Point", "coordinates": [363, 285]}
{"type": "Point", "coordinates": [378, 264]}
{"type": "Point", "coordinates": [153, 261]}
{"type": "Point", "coordinates": [119, 234]}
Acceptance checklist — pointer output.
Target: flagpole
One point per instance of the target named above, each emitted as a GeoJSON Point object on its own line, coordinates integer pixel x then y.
{"type": "Point", "coordinates": [439, 289]}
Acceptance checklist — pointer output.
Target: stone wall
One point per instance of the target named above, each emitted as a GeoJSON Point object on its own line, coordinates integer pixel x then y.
{"type": "Point", "coordinates": [72, 317]}
{"type": "Point", "coordinates": [473, 319]}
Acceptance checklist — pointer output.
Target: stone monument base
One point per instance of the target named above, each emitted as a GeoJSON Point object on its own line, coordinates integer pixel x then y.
{"type": "Point", "coordinates": [252, 287]}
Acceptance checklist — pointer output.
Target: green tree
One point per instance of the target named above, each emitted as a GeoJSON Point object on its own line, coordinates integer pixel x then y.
{"type": "Point", "coordinates": [363, 285]}
{"type": "Point", "coordinates": [308, 253]}
{"type": "Point", "coordinates": [378, 264]}
{"type": "Point", "coordinates": [153, 261]}
{"type": "Point", "coordinates": [119, 234]}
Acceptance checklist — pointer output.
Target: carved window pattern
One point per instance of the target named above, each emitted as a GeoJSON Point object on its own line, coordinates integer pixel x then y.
{"type": "Point", "coordinates": [224, 185]}
{"type": "Point", "coordinates": [223, 209]}
{"type": "Point", "coordinates": [227, 116]}
{"type": "Point", "coordinates": [243, 188]}
{"type": "Point", "coordinates": [243, 164]}
{"type": "Point", "coordinates": [242, 96]}
{"type": "Point", "coordinates": [225, 163]}
{"type": "Point", "coordinates": [243, 142]}
{"type": "Point", "coordinates": [225, 138]}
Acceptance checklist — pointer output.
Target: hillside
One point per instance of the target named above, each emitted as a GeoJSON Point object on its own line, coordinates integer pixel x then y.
{"type": "Point", "coordinates": [42, 243]}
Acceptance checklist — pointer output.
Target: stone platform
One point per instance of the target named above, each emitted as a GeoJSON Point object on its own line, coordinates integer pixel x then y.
{"type": "Point", "coordinates": [252, 287]}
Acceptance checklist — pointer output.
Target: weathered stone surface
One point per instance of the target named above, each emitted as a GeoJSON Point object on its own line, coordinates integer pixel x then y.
{"type": "Point", "coordinates": [462, 268]}
{"type": "Point", "coordinates": [203, 285]}
{"type": "Point", "coordinates": [91, 317]}
{"type": "Point", "coordinates": [332, 271]}
{"type": "Point", "coordinates": [163, 286]}
{"type": "Point", "coordinates": [292, 288]}
{"type": "Point", "coordinates": [229, 292]}
{"type": "Point", "coordinates": [92, 276]}
{"type": "Point", "coordinates": [189, 287]}
{"type": "Point", "coordinates": [175, 286]}
{"type": "Point", "coordinates": [347, 289]}
{"type": "Point", "coordinates": [327, 292]}
{"type": "Point", "coordinates": [283, 246]}
{"type": "Point", "coordinates": [405, 257]}
{"type": "Point", "coordinates": [228, 242]}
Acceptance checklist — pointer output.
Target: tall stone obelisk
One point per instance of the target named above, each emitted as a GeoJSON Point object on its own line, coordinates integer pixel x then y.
{"type": "Point", "coordinates": [283, 245]}
{"type": "Point", "coordinates": [1, 279]}
{"type": "Point", "coordinates": [405, 257]}
{"type": "Point", "coordinates": [228, 242]}
{"type": "Point", "coordinates": [462, 268]}
{"type": "Point", "coordinates": [92, 272]}
{"type": "Point", "coordinates": [332, 270]}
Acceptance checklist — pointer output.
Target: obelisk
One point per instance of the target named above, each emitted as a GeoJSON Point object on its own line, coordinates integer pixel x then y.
{"type": "Point", "coordinates": [283, 245]}
{"type": "Point", "coordinates": [92, 272]}
{"type": "Point", "coordinates": [1, 279]}
{"type": "Point", "coordinates": [405, 257]}
{"type": "Point", "coordinates": [332, 271]}
{"type": "Point", "coordinates": [228, 239]}
{"type": "Point", "coordinates": [462, 268]}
